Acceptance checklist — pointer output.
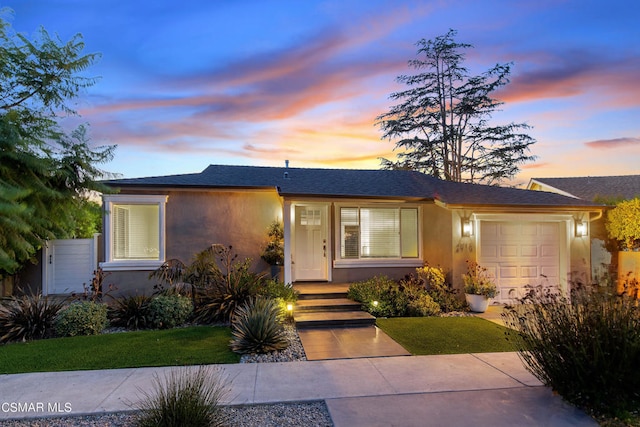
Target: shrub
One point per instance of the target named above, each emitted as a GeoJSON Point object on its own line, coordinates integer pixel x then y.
{"type": "Point", "coordinates": [383, 290]}
{"type": "Point", "coordinates": [184, 397]}
{"type": "Point", "coordinates": [81, 318]}
{"type": "Point", "coordinates": [623, 223]}
{"type": "Point", "coordinates": [131, 312]}
{"type": "Point", "coordinates": [28, 317]}
{"type": "Point", "coordinates": [423, 305]}
{"type": "Point", "coordinates": [169, 311]}
{"type": "Point", "coordinates": [282, 293]}
{"type": "Point", "coordinates": [587, 348]}
{"type": "Point", "coordinates": [257, 327]}
{"type": "Point", "coordinates": [440, 291]}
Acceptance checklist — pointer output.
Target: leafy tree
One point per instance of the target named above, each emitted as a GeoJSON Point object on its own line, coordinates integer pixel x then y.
{"type": "Point", "coordinates": [442, 119]}
{"type": "Point", "coordinates": [46, 174]}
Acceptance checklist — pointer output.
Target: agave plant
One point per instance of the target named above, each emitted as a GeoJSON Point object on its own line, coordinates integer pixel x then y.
{"type": "Point", "coordinates": [28, 317]}
{"type": "Point", "coordinates": [257, 327]}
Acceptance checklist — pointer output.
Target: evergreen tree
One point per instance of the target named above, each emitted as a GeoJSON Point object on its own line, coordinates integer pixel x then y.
{"type": "Point", "coordinates": [45, 173]}
{"type": "Point", "coordinates": [442, 120]}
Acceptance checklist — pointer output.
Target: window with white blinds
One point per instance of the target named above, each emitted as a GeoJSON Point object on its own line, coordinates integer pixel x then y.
{"type": "Point", "coordinates": [136, 232]}
{"type": "Point", "coordinates": [134, 229]}
{"type": "Point", "coordinates": [368, 232]}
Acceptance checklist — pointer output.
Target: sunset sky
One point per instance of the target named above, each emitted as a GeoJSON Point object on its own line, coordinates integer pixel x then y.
{"type": "Point", "coordinates": [190, 83]}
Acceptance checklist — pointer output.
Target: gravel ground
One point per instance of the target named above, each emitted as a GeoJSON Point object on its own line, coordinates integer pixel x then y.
{"type": "Point", "coordinates": [310, 414]}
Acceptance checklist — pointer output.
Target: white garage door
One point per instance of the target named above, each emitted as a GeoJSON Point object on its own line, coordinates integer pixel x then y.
{"type": "Point", "coordinates": [519, 254]}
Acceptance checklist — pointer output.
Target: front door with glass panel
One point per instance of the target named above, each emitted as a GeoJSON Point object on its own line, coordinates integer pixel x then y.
{"type": "Point", "coordinates": [311, 245]}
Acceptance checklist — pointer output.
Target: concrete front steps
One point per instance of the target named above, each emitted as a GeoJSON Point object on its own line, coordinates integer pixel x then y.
{"type": "Point", "coordinates": [325, 305]}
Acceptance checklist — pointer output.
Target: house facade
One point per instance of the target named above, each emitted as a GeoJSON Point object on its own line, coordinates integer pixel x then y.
{"type": "Point", "coordinates": [606, 189]}
{"type": "Point", "coordinates": [344, 225]}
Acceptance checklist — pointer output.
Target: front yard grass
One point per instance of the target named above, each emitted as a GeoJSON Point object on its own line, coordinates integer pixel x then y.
{"type": "Point", "coordinates": [172, 347]}
{"type": "Point", "coordinates": [446, 335]}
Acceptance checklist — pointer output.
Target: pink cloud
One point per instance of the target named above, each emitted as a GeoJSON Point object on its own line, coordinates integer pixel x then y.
{"type": "Point", "coordinates": [610, 144]}
{"type": "Point", "coordinates": [569, 74]}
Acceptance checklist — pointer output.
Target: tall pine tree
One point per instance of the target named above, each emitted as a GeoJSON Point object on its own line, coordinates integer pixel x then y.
{"type": "Point", "coordinates": [441, 123]}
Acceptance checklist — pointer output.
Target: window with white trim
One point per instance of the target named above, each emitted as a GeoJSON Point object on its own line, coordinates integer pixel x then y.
{"type": "Point", "coordinates": [378, 233]}
{"type": "Point", "coordinates": [134, 231]}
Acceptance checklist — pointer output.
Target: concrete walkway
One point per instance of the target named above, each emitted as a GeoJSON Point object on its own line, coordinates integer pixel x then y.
{"type": "Point", "coordinates": [452, 390]}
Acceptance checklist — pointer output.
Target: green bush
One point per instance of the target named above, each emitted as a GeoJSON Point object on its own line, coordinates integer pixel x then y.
{"type": "Point", "coordinates": [384, 297]}
{"type": "Point", "coordinates": [169, 311]}
{"type": "Point", "coordinates": [440, 291]}
{"type": "Point", "coordinates": [131, 312]}
{"type": "Point", "coordinates": [587, 348]}
{"type": "Point", "coordinates": [185, 397]}
{"type": "Point", "coordinates": [422, 306]}
{"type": "Point", "coordinates": [257, 327]}
{"type": "Point", "coordinates": [28, 317]}
{"type": "Point", "coordinates": [378, 296]}
{"type": "Point", "coordinates": [282, 293]}
{"type": "Point", "coordinates": [81, 318]}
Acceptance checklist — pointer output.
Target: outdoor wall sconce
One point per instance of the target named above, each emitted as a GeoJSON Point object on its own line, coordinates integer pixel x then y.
{"type": "Point", "coordinates": [467, 227]}
{"type": "Point", "coordinates": [581, 228]}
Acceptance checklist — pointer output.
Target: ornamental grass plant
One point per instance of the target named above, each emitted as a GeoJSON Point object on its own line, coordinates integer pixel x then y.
{"type": "Point", "coordinates": [586, 347]}
{"type": "Point", "coordinates": [184, 397]}
{"type": "Point", "coordinates": [28, 317]}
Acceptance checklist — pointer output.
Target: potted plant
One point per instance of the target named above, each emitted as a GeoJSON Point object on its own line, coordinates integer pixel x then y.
{"type": "Point", "coordinates": [478, 287]}
{"type": "Point", "coordinates": [273, 252]}
{"type": "Point", "coordinates": [623, 225]}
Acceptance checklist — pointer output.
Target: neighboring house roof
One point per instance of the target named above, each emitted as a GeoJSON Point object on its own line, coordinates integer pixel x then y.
{"type": "Point", "coordinates": [590, 187]}
{"type": "Point", "coordinates": [354, 183]}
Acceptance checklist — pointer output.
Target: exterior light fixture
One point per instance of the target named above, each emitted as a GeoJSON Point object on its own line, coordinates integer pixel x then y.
{"type": "Point", "coordinates": [467, 227]}
{"type": "Point", "coordinates": [375, 303]}
{"type": "Point", "coordinates": [289, 310]}
{"type": "Point", "coordinates": [581, 228]}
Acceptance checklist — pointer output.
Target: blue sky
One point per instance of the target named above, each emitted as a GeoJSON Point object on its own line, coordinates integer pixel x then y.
{"type": "Point", "coordinates": [187, 84]}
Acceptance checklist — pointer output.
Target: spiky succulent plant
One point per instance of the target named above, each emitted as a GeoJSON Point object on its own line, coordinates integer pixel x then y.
{"type": "Point", "coordinates": [257, 327]}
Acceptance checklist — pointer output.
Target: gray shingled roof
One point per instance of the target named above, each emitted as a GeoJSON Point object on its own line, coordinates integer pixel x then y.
{"type": "Point", "coordinates": [590, 187]}
{"type": "Point", "coordinates": [353, 183]}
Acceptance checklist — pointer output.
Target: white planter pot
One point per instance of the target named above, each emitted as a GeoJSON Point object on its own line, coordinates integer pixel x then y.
{"type": "Point", "coordinates": [477, 303]}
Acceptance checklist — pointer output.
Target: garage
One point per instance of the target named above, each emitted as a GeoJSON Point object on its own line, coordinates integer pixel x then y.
{"type": "Point", "coordinates": [521, 253]}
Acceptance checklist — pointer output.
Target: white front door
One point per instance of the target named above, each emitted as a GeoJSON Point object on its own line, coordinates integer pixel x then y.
{"type": "Point", "coordinates": [520, 253]}
{"type": "Point", "coordinates": [311, 251]}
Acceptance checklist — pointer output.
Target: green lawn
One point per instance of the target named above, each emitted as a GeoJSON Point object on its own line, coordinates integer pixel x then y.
{"type": "Point", "coordinates": [180, 346]}
{"type": "Point", "coordinates": [446, 335]}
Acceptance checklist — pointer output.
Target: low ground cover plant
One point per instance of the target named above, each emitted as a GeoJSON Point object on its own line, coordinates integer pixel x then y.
{"type": "Point", "coordinates": [193, 345]}
{"type": "Point", "coordinates": [586, 347]}
{"type": "Point", "coordinates": [184, 397]}
{"type": "Point", "coordinates": [446, 335]}
{"type": "Point", "coordinates": [81, 318]}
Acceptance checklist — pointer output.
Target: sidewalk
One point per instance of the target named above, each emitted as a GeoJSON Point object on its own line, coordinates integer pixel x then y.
{"type": "Point", "coordinates": [452, 390]}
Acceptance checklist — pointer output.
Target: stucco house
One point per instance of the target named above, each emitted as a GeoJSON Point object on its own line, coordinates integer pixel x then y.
{"type": "Point", "coordinates": [590, 187]}
{"type": "Point", "coordinates": [595, 188]}
{"type": "Point", "coordinates": [343, 225]}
